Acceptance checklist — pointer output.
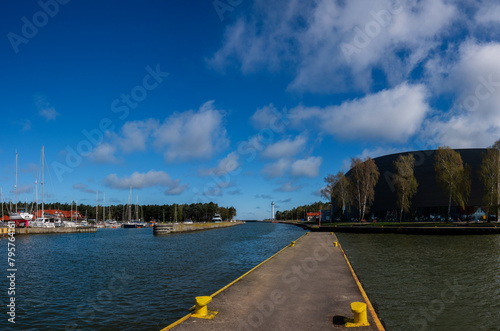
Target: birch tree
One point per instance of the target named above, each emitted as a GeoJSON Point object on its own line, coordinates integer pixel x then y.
{"type": "Point", "coordinates": [405, 182]}
{"type": "Point", "coordinates": [488, 173]}
{"type": "Point", "coordinates": [338, 188]}
{"type": "Point", "coordinates": [452, 176]}
{"type": "Point", "coordinates": [365, 176]}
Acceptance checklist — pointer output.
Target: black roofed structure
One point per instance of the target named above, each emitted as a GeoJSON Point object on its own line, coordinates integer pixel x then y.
{"type": "Point", "coordinates": [430, 197]}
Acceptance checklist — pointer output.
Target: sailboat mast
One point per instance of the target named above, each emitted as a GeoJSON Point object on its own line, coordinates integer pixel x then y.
{"type": "Point", "coordinates": [97, 207]}
{"type": "Point", "coordinates": [43, 163]}
{"type": "Point", "coordinates": [137, 208]}
{"type": "Point", "coordinates": [104, 208]}
{"type": "Point", "coordinates": [16, 182]}
{"type": "Point", "coordinates": [129, 207]}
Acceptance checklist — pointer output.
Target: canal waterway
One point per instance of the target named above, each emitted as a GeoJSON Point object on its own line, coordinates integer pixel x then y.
{"type": "Point", "coordinates": [129, 279]}
{"type": "Point", "coordinates": [438, 283]}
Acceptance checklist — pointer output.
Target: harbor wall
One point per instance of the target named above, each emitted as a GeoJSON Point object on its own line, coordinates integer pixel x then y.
{"type": "Point", "coordinates": [181, 227]}
{"type": "Point", "coordinates": [79, 229]}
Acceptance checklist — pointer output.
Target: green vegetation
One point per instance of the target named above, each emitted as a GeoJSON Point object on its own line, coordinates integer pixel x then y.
{"type": "Point", "coordinates": [405, 182]}
{"type": "Point", "coordinates": [198, 212]}
{"type": "Point", "coordinates": [338, 188]}
{"type": "Point", "coordinates": [300, 212]}
{"type": "Point", "coordinates": [364, 178]}
{"type": "Point", "coordinates": [453, 176]}
{"type": "Point", "coordinates": [489, 173]}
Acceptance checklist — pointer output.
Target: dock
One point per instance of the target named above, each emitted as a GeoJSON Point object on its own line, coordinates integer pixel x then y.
{"type": "Point", "coordinates": [58, 230]}
{"type": "Point", "coordinates": [308, 285]}
{"type": "Point", "coordinates": [168, 228]}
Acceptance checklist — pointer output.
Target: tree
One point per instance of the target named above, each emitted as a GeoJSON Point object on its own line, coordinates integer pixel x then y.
{"type": "Point", "coordinates": [488, 173]}
{"type": "Point", "coordinates": [405, 182]}
{"type": "Point", "coordinates": [453, 176]}
{"type": "Point", "coordinates": [365, 176]}
{"type": "Point", "coordinates": [338, 188]}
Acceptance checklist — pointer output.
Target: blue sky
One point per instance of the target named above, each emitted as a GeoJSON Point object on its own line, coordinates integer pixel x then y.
{"type": "Point", "coordinates": [237, 102]}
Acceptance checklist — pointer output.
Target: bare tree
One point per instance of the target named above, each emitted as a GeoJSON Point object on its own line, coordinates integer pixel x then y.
{"type": "Point", "coordinates": [405, 182]}
{"type": "Point", "coordinates": [338, 188]}
{"type": "Point", "coordinates": [453, 176]}
{"type": "Point", "coordinates": [365, 176]}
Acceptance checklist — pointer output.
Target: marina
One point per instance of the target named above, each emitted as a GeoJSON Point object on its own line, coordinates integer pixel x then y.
{"type": "Point", "coordinates": [425, 281]}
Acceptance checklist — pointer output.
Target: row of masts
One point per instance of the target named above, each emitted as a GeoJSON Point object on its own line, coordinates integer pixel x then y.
{"type": "Point", "coordinates": [42, 161]}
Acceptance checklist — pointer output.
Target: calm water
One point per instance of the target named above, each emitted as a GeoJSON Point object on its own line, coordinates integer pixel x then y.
{"type": "Point", "coordinates": [429, 282]}
{"type": "Point", "coordinates": [128, 279]}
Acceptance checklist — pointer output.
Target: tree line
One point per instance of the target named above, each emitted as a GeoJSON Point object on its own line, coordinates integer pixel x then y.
{"type": "Point", "coordinates": [197, 212]}
{"type": "Point", "coordinates": [453, 176]}
{"type": "Point", "coordinates": [300, 212]}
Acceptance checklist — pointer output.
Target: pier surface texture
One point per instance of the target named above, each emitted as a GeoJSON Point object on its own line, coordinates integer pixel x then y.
{"type": "Point", "coordinates": [307, 286]}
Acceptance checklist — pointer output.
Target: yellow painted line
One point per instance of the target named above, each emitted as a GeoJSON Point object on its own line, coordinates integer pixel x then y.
{"type": "Point", "coordinates": [228, 285]}
{"type": "Point", "coordinates": [363, 293]}
{"type": "Point", "coordinates": [177, 322]}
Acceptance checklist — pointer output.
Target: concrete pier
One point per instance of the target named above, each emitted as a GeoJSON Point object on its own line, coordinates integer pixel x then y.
{"type": "Point", "coordinates": [198, 226]}
{"type": "Point", "coordinates": [306, 286]}
{"type": "Point", "coordinates": [58, 230]}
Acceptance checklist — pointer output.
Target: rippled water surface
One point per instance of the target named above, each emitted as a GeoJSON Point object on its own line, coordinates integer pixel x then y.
{"type": "Point", "coordinates": [429, 282]}
{"type": "Point", "coordinates": [129, 279]}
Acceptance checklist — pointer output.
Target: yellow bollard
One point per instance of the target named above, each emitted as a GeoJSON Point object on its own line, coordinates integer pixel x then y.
{"type": "Point", "coordinates": [335, 243]}
{"type": "Point", "coordinates": [360, 317]}
{"type": "Point", "coordinates": [331, 233]}
{"type": "Point", "coordinates": [201, 310]}
{"type": "Point", "coordinates": [292, 244]}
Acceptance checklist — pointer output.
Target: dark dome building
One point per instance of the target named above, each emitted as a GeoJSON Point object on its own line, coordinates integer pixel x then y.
{"type": "Point", "coordinates": [430, 198]}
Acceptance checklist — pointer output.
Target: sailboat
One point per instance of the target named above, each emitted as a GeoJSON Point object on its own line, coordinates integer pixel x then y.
{"type": "Point", "coordinates": [43, 221]}
{"type": "Point", "coordinates": [137, 222]}
{"type": "Point", "coordinates": [20, 217]}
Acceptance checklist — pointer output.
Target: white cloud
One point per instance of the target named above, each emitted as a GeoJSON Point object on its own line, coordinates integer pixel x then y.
{"type": "Point", "coordinates": [143, 180]}
{"type": "Point", "coordinates": [276, 169]}
{"type": "Point", "coordinates": [83, 188]}
{"type": "Point", "coordinates": [225, 166]}
{"type": "Point", "coordinates": [103, 153]}
{"type": "Point", "coordinates": [391, 115]}
{"type": "Point", "coordinates": [134, 135]}
{"type": "Point", "coordinates": [488, 14]}
{"type": "Point", "coordinates": [307, 167]}
{"type": "Point", "coordinates": [268, 117]}
{"type": "Point", "coordinates": [289, 187]}
{"type": "Point", "coordinates": [192, 135]}
{"type": "Point", "coordinates": [49, 114]}
{"type": "Point", "coordinates": [45, 110]}
{"type": "Point", "coordinates": [307, 37]}
{"type": "Point", "coordinates": [474, 81]}
{"type": "Point", "coordinates": [285, 148]}
{"type": "Point", "coordinates": [176, 189]}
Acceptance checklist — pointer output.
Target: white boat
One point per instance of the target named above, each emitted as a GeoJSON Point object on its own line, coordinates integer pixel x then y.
{"type": "Point", "coordinates": [217, 218]}
{"type": "Point", "coordinates": [42, 222]}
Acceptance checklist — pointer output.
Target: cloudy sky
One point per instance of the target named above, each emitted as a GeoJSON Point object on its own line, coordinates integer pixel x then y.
{"type": "Point", "coordinates": [237, 102]}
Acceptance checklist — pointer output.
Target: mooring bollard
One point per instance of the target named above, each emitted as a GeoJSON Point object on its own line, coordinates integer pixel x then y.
{"type": "Point", "coordinates": [201, 309]}
{"type": "Point", "coordinates": [292, 244]}
{"type": "Point", "coordinates": [360, 317]}
{"type": "Point", "coordinates": [335, 243]}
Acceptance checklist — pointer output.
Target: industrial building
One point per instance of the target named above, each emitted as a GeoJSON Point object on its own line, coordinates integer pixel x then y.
{"type": "Point", "coordinates": [430, 199]}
